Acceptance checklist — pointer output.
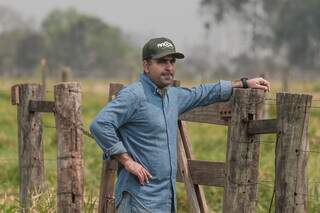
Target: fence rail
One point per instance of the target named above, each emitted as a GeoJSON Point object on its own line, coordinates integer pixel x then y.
{"type": "Point", "coordinates": [238, 175]}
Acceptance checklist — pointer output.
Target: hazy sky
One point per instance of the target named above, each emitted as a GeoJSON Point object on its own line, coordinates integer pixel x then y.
{"type": "Point", "coordinates": [179, 20]}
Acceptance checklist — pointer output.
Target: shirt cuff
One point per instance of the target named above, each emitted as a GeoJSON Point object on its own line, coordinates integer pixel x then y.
{"type": "Point", "coordinates": [116, 149]}
{"type": "Point", "coordinates": [225, 90]}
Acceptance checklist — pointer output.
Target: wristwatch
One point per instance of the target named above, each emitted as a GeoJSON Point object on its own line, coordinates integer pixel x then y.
{"type": "Point", "coordinates": [244, 82]}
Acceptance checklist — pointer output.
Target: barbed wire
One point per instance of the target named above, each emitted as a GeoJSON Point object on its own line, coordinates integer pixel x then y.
{"type": "Point", "coordinates": [17, 159]}
{"type": "Point", "coordinates": [312, 107]}
{"type": "Point", "coordinates": [16, 194]}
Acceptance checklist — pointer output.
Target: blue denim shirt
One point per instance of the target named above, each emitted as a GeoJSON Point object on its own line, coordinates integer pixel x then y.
{"type": "Point", "coordinates": [143, 123]}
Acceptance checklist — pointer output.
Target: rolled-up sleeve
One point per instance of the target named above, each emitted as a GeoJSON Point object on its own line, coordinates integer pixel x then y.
{"type": "Point", "coordinates": [203, 95]}
{"type": "Point", "coordinates": [105, 125]}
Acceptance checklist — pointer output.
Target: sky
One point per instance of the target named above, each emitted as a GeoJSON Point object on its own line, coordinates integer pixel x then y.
{"type": "Point", "coordinates": [178, 20]}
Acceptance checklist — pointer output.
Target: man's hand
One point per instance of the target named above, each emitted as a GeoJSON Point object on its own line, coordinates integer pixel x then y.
{"type": "Point", "coordinates": [259, 83]}
{"type": "Point", "coordinates": [133, 167]}
{"type": "Point", "coordinates": [256, 83]}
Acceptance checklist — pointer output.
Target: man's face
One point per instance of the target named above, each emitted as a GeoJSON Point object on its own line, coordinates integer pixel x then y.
{"type": "Point", "coordinates": [160, 71]}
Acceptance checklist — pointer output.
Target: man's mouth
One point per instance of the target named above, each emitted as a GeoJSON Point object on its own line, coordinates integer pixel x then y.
{"type": "Point", "coordinates": [167, 75]}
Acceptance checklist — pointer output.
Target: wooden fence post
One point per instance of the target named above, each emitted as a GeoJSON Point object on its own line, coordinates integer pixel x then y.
{"type": "Point", "coordinates": [66, 74]}
{"type": "Point", "coordinates": [242, 163]}
{"type": "Point", "coordinates": [68, 118]}
{"type": "Point", "coordinates": [292, 153]}
{"type": "Point", "coordinates": [44, 73]}
{"type": "Point", "coordinates": [109, 168]}
{"type": "Point", "coordinates": [31, 167]}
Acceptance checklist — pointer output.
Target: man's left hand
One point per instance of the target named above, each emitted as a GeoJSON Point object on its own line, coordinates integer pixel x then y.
{"type": "Point", "coordinates": [256, 83]}
{"type": "Point", "coordinates": [259, 83]}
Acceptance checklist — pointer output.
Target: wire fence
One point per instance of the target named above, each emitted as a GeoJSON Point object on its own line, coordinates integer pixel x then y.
{"type": "Point", "coordinates": [265, 183]}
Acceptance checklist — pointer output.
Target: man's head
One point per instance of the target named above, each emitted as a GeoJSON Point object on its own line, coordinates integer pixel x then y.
{"type": "Point", "coordinates": [159, 56]}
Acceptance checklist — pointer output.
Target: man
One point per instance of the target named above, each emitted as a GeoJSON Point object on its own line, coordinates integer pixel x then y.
{"type": "Point", "coordinates": [139, 128]}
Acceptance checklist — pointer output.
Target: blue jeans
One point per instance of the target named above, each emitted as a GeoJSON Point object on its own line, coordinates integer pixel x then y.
{"type": "Point", "coordinates": [129, 204]}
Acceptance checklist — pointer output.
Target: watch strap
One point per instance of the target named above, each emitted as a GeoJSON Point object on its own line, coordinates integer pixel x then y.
{"type": "Point", "coordinates": [244, 82]}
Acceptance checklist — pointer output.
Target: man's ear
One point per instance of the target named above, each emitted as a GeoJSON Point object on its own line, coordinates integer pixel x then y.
{"type": "Point", "coordinates": [146, 66]}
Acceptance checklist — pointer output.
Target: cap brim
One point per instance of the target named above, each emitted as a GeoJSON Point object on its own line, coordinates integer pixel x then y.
{"type": "Point", "coordinates": [177, 55]}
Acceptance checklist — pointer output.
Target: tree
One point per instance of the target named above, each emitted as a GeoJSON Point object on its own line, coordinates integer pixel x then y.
{"type": "Point", "coordinates": [11, 20]}
{"type": "Point", "coordinates": [290, 28]}
{"type": "Point", "coordinates": [13, 29]}
{"type": "Point", "coordinates": [84, 42]}
{"type": "Point", "coordinates": [30, 49]}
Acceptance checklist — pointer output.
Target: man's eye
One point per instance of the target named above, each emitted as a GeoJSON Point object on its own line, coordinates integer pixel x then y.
{"type": "Point", "coordinates": [164, 61]}
{"type": "Point", "coordinates": [161, 61]}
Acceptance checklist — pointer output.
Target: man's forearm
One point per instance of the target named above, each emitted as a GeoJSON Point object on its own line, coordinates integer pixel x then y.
{"type": "Point", "coordinates": [123, 158]}
{"type": "Point", "coordinates": [133, 167]}
{"type": "Point", "coordinates": [237, 84]}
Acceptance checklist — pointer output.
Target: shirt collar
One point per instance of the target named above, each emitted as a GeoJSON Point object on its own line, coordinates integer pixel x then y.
{"type": "Point", "coordinates": [154, 88]}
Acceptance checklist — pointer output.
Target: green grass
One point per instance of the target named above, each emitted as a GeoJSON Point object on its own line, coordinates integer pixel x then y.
{"type": "Point", "coordinates": [208, 143]}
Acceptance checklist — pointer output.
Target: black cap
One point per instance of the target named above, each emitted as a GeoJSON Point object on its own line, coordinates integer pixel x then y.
{"type": "Point", "coordinates": [159, 47]}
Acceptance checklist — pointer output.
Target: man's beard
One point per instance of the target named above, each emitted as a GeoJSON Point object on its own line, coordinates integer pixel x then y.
{"type": "Point", "coordinates": [166, 79]}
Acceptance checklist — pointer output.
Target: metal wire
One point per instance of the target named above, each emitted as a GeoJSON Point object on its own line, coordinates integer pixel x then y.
{"type": "Point", "coordinates": [16, 159]}
{"type": "Point", "coordinates": [78, 126]}
{"type": "Point", "coordinates": [311, 151]}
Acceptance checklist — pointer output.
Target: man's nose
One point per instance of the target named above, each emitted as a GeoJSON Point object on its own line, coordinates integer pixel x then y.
{"type": "Point", "coordinates": [169, 65]}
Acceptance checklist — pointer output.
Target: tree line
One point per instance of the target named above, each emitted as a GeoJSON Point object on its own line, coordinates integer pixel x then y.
{"type": "Point", "coordinates": [66, 38]}
{"type": "Point", "coordinates": [288, 30]}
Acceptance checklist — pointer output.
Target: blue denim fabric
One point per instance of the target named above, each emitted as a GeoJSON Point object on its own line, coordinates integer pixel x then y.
{"type": "Point", "coordinates": [129, 204]}
{"type": "Point", "coordinates": [143, 123]}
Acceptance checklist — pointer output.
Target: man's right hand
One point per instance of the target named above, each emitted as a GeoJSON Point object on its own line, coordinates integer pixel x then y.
{"type": "Point", "coordinates": [133, 167]}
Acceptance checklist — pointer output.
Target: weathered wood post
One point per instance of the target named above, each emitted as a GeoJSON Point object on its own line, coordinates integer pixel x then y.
{"type": "Point", "coordinates": [242, 163]}
{"type": "Point", "coordinates": [66, 74]}
{"type": "Point", "coordinates": [292, 147]}
{"type": "Point", "coordinates": [68, 118]}
{"type": "Point", "coordinates": [109, 168]}
{"type": "Point", "coordinates": [31, 166]}
{"type": "Point", "coordinates": [44, 72]}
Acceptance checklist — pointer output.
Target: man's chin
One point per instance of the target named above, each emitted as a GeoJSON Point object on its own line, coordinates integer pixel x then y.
{"type": "Point", "coordinates": [167, 82]}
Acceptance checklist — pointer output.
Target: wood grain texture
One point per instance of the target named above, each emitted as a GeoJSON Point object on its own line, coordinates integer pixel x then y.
{"type": "Point", "coordinates": [15, 94]}
{"type": "Point", "coordinates": [68, 119]}
{"type": "Point", "coordinates": [201, 199]}
{"type": "Point", "coordinates": [262, 126]}
{"type": "Point", "coordinates": [41, 106]}
{"type": "Point", "coordinates": [186, 177]}
{"type": "Point", "coordinates": [31, 165]}
{"type": "Point", "coordinates": [291, 153]}
{"type": "Point", "coordinates": [206, 173]}
{"type": "Point", "coordinates": [217, 113]}
{"type": "Point", "coordinates": [242, 164]}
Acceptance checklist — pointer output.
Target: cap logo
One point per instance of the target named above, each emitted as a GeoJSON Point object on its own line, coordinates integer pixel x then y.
{"type": "Point", "coordinates": [165, 44]}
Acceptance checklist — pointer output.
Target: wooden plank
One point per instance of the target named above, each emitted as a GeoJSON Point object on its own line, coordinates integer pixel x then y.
{"type": "Point", "coordinates": [41, 106]}
{"type": "Point", "coordinates": [292, 147]}
{"type": "Point", "coordinates": [15, 94]}
{"type": "Point", "coordinates": [109, 168]}
{"type": "Point", "coordinates": [242, 164]}
{"type": "Point", "coordinates": [206, 173]}
{"type": "Point", "coordinates": [31, 165]}
{"type": "Point", "coordinates": [217, 113]}
{"type": "Point", "coordinates": [262, 126]}
{"type": "Point", "coordinates": [188, 152]}
{"type": "Point", "coordinates": [186, 177]}
{"type": "Point", "coordinates": [70, 182]}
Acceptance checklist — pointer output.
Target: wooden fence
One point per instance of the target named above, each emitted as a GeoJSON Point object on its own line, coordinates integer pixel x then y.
{"type": "Point", "coordinates": [238, 175]}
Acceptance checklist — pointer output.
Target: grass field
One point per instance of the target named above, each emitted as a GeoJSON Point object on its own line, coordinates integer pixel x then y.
{"type": "Point", "coordinates": [208, 141]}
